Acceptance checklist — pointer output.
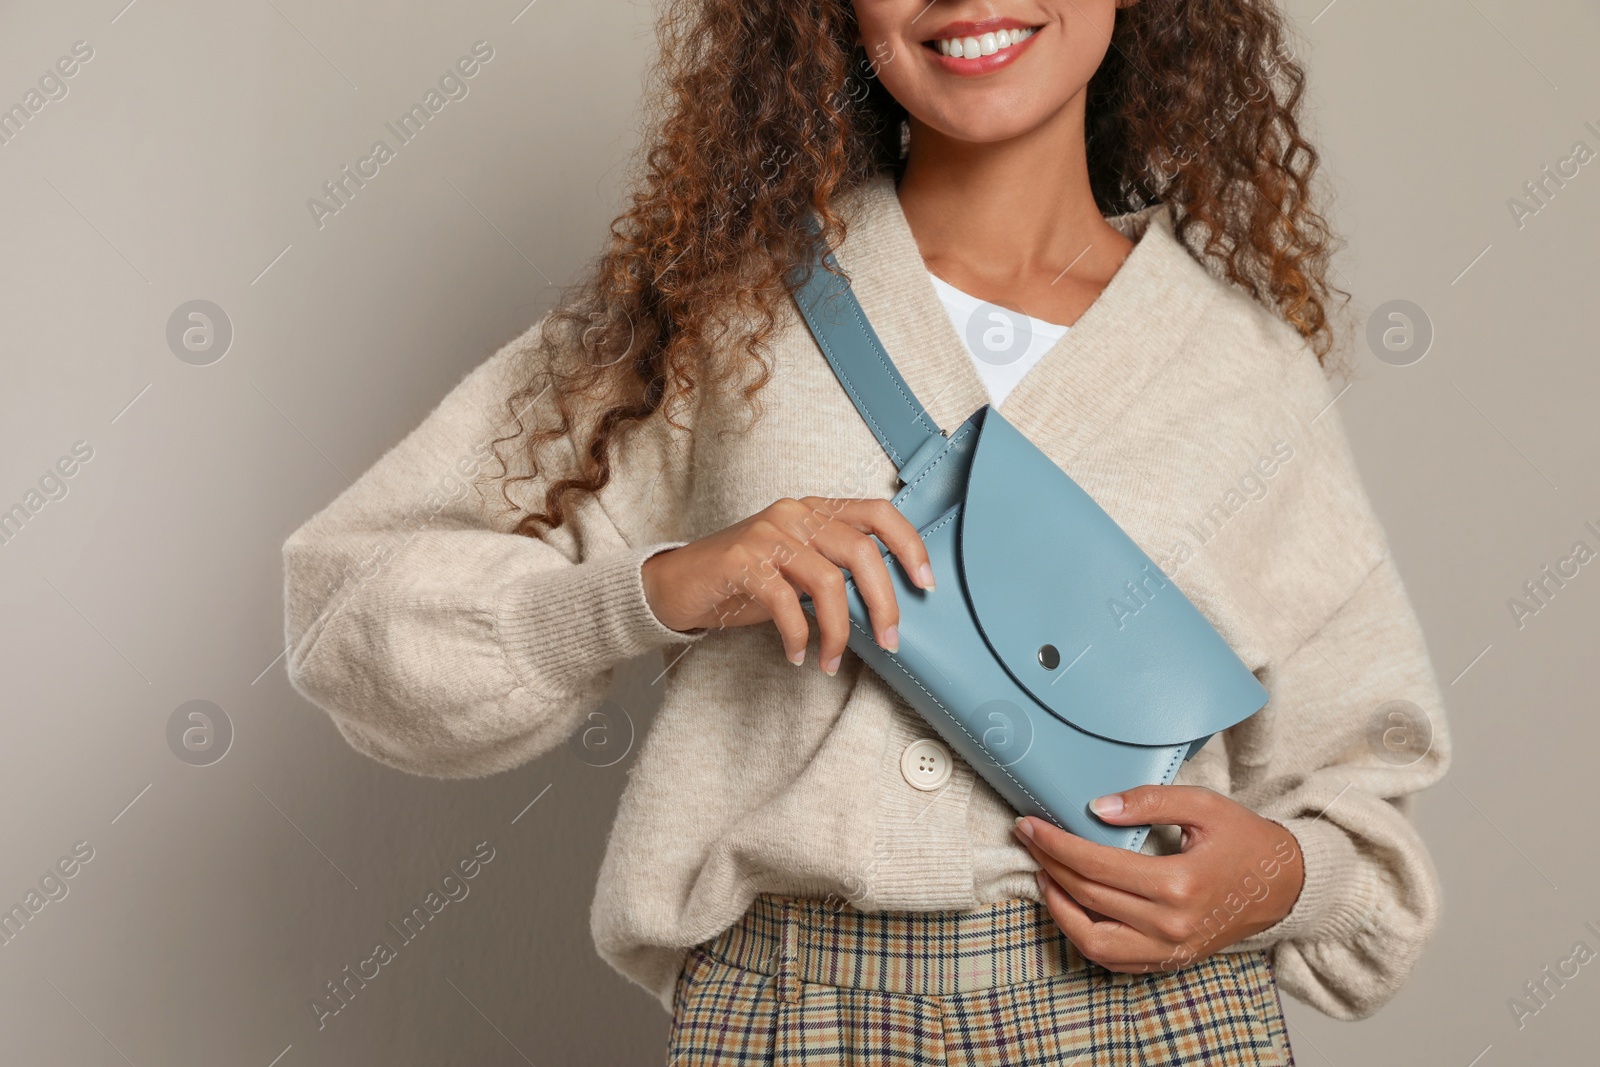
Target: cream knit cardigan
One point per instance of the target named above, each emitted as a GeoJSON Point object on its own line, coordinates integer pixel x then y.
{"type": "Point", "coordinates": [442, 644]}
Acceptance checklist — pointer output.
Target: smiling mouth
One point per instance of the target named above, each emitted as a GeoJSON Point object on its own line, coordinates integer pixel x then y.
{"type": "Point", "coordinates": [978, 45]}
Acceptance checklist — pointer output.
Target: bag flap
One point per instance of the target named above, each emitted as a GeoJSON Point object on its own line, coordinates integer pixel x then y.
{"type": "Point", "coordinates": [1077, 612]}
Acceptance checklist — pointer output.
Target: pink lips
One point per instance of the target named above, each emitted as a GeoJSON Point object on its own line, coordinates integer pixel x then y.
{"type": "Point", "coordinates": [983, 64]}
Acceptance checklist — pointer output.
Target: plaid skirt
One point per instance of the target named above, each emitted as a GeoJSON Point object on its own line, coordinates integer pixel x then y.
{"type": "Point", "coordinates": [801, 982]}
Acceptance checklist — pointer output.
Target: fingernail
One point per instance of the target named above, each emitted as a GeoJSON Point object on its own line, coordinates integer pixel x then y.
{"type": "Point", "coordinates": [890, 639]}
{"type": "Point", "coordinates": [832, 666]}
{"type": "Point", "coordinates": [1024, 828]}
{"type": "Point", "coordinates": [1107, 805]}
{"type": "Point", "coordinates": [798, 657]}
{"type": "Point", "coordinates": [1038, 878]}
{"type": "Point", "coordinates": [925, 576]}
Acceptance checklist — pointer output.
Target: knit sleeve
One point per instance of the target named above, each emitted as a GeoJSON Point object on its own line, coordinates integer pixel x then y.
{"type": "Point", "coordinates": [1359, 702]}
{"type": "Point", "coordinates": [441, 642]}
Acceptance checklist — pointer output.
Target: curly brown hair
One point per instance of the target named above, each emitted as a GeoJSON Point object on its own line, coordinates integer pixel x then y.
{"type": "Point", "coordinates": [769, 110]}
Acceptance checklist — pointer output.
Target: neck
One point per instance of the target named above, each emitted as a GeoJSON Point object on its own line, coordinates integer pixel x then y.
{"type": "Point", "coordinates": [1009, 209]}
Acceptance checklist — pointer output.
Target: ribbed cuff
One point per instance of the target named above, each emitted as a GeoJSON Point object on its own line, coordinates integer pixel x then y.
{"type": "Point", "coordinates": [559, 627]}
{"type": "Point", "coordinates": [1336, 896]}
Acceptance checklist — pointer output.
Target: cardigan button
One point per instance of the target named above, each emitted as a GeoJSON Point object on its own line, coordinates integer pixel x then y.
{"type": "Point", "coordinates": [926, 764]}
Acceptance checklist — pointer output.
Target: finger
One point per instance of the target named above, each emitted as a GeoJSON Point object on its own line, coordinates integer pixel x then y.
{"type": "Point", "coordinates": [883, 519]}
{"type": "Point", "coordinates": [1189, 806]}
{"type": "Point", "coordinates": [1159, 922]}
{"type": "Point", "coordinates": [1133, 872]}
{"type": "Point", "coordinates": [809, 517]}
{"type": "Point", "coordinates": [822, 580]}
{"type": "Point", "coordinates": [1111, 944]}
{"type": "Point", "coordinates": [853, 550]}
{"type": "Point", "coordinates": [732, 608]}
{"type": "Point", "coordinates": [783, 605]}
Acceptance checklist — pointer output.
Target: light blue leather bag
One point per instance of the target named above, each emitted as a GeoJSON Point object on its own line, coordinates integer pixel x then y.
{"type": "Point", "coordinates": [1054, 656]}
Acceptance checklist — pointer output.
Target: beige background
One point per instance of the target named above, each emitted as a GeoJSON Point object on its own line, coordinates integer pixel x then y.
{"type": "Point", "coordinates": [220, 899]}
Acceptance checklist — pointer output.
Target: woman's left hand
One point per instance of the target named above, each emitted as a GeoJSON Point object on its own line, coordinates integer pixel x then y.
{"type": "Point", "coordinates": [1237, 874]}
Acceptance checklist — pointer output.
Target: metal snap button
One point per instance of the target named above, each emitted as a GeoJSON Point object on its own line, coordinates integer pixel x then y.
{"type": "Point", "coordinates": [1049, 657]}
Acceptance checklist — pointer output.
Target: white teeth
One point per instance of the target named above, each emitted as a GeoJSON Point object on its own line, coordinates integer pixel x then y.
{"type": "Point", "coordinates": [986, 45]}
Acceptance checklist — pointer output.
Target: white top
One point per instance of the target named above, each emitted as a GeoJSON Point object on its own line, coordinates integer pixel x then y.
{"type": "Point", "coordinates": [1003, 343]}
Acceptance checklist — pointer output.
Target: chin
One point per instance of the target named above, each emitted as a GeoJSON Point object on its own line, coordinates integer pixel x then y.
{"type": "Point", "coordinates": [975, 130]}
{"type": "Point", "coordinates": [987, 120]}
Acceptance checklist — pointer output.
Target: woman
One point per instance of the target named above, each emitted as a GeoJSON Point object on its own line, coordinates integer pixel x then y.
{"type": "Point", "coordinates": [799, 870]}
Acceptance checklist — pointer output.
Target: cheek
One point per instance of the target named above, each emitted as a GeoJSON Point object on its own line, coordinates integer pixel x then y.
{"type": "Point", "coordinates": [883, 23]}
{"type": "Point", "coordinates": [1079, 37]}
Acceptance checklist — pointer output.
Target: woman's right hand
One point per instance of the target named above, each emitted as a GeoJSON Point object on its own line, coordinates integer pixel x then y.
{"type": "Point", "coordinates": [757, 568]}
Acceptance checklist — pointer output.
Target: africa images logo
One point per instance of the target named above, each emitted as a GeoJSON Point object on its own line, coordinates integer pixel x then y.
{"type": "Point", "coordinates": [453, 85]}
{"type": "Point", "coordinates": [452, 889]}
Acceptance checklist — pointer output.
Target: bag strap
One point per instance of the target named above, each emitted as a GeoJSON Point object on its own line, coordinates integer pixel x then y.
{"type": "Point", "coordinates": [897, 419]}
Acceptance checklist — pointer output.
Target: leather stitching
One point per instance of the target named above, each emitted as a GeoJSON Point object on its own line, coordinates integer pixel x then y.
{"type": "Point", "coordinates": [1166, 778]}
{"type": "Point", "coordinates": [943, 455]}
{"type": "Point", "coordinates": [917, 410]}
{"type": "Point", "coordinates": [957, 722]}
{"type": "Point", "coordinates": [918, 413]}
{"type": "Point", "coordinates": [861, 405]}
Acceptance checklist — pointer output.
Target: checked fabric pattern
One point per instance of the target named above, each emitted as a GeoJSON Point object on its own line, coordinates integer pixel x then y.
{"type": "Point", "coordinates": [801, 983]}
